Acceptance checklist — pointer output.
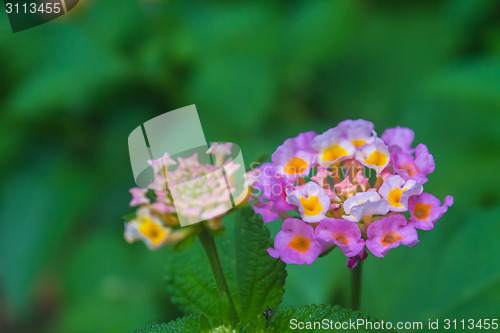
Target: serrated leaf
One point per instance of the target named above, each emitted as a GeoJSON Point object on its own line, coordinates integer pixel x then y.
{"type": "Point", "coordinates": [187, 324]}
{"type": "Point", "coordinates": [260, 277]}
{"type": "Point", "coordinates": [284, 319]}
{"type": "Point", "coordinates": [255, 279]}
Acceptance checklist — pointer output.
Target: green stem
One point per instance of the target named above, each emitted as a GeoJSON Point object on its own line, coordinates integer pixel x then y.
{"type": "Point", "coordinates": [356, 286]}
{"type": "Point", "coordinates": [228, 310]}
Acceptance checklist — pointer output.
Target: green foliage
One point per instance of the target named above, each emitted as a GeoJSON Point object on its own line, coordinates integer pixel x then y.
{"type": "Point", "coordinates": [33, 202]}
{"type": "Point", "coordinates": [186, 243]}
{"type": "Point", "coordinates": [123, 290]}
{"type": "Point", "coordinates": [255, 279]}
{"type": "Point", "coordinates": [260, 277]}
{"type": "Point", "coordinates": [280, 322]}
{"type": "Point", "coordinates": [187, 324]}
{"type": "Point", "coordinates": [316, 313]}
{"type": "Point", "coordinates": [446, 284]}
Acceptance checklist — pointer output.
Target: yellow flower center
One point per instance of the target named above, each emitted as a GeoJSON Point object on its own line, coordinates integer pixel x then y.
{"type": "Point", "coordinates": [152, 231]}
{"type": "Point", "coordinates": [300, 243]}
{"type": "Point", "coordinates": [311, 206]}
{"type": "Point", "coordinates": [376, 158]}
{"type": "Point", "coordinates": [395, 197]}
{"type": "Point", "coordinates": [358, 143]}
{"type": "Point", "coordinates": [333, 153]}
{"type": "Point", "coordinates": [296, 165]}
{"type": "Point", "coordinates": [422, 211]}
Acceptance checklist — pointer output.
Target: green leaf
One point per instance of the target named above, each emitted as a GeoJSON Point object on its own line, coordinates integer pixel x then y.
{"type": "Point", "coordinates": [31, 231]}
{"type": "Point", "coordinates": [451, 273]}
{"type": "Point", "coordinates": [475, 82]}
{"type": "Point", "coordinates": [187, 324]}
{"type": "Point", "coordinates": [59, 83]}
{"type": "Point", "coordinates": [115, 292]}
{"type": "Point", "coordinates": [282, 321]}
{"type": "Point", "coordinates": [255, 279]}
{"type": "Point", "coordinates": [287, 319]}
{"type": "Point", "coordinates": [260, 277]}
{"type": "Point", "coordinates": [186, 243]}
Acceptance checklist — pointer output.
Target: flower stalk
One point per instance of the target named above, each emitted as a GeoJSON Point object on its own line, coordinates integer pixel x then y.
{"type": "Point", "coordinates": [227, 308]}
{"type": "Point", "coordinates": [356, 286]}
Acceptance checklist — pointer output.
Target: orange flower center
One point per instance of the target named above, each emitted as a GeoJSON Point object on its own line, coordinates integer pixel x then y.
{"type": "Point", "coordinates": [340, 238]}
{"type": "Point", "coordinates": [410, 167]}
{"type": "Point", "coordinates": [300, 243]}
{"type": "Point", "coordinates": [422, 211]}
{"type": "Point", "coordinates": [391, 239]}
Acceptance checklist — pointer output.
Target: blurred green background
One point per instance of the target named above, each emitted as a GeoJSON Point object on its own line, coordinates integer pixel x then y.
{"type": "Point", "coordinates": [72, 90]}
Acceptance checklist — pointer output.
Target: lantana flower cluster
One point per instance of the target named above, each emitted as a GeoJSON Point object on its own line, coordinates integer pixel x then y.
{"type": "Point", "coordinates": [188, 188]}
{"type": "Point", "coordinates": [347, 188]}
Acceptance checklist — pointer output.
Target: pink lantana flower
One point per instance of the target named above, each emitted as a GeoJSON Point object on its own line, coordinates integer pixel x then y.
{"type": "Point", "coordinates": [280, 186]}
{"type": "Point", "coordinates": [266, 209]}
{"type": "Point", "coordinates": [312, 200]}
{"type": "Point", "coordinates": [148, 228]}
{"type": "Point", "coordinates": [346, 235]}
{"type": "Point", "coordinates": [332, 148]}
{"type": "Point", "coordinates": [388, 233]}
{"type": "Point", "coordinates": [163, 203]}
{"type": "Point", "coordinates": [138, 196]}
{"type": "Point", "coordinates": [426, 209]}
{"type": "Point", "coordinates": [397, 192]}
{"type": "Point", "coordinates": [363, 205]}
{"type": "Point", "coordinates": [352, 188]}
{"type": "Point", "coordinates": [346, 188]}
{"type": "Point", "coordinates": [303, 141]}
{"type": "Point", "coordinates": [321, 176]}
{"type": "Point", "coordinates": [292, 162]}
{"type": "Point", "coordinates": [264, 174]}
{"type": "Point", "coordinates": [359, 132]}
{"type": "Point", "coordinates": [220, 151]}
{"type": "Point", "coordinates": [354, 261]}
{"type": "Point", "coordinates": [161, 165]}
{"type": "Point", "coordinates": [182, 192]}
{"type": "Point", "coordinates": [401, 137]}
{"type": "Point", "coordinates": [416, 165]}
{"type": "Point", "coordinates": [374, 155]}
{"type": "Point", "coordinates": [295, 243]}
{"type": "Point", "coordinates": [407, 162]}
{"type": "Point", "coordinates": [361, 180]}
